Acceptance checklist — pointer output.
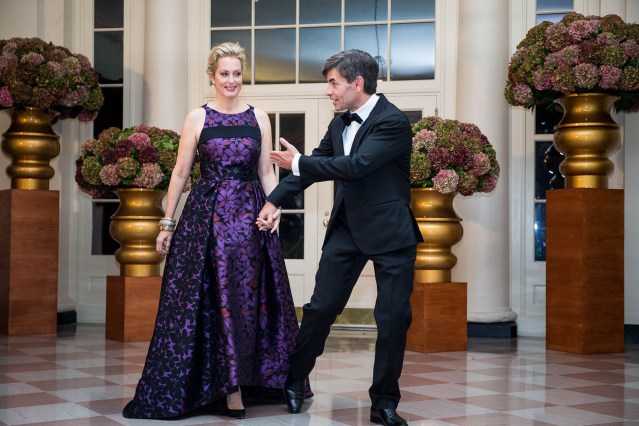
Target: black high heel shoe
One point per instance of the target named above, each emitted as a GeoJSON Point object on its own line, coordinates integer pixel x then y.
{"type": "Point", "coordinates": [233, 412]}
{"type": "Point", "coordinates": [236, 414]}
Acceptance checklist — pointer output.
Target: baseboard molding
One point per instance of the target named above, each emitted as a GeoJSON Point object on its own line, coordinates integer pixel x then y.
{"type": "Point", "coordinates": [631, 333]}
{"type": "Point", "coordinates": [67, 317]}
{"type": "Point", "coordinates": [495, 330]}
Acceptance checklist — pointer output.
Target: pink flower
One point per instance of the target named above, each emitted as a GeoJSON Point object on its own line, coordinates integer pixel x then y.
{"type": "Point", "coordinates": [488, 184]}
{"type": "Point", "coordinates": [109, 175]}
{"type": "Point", "coordinates": [425, 139]}
{"type": "Point", "coordinates": [586, 76]}
{"type": "Point", "coordinates": [609, 76]}
{"type": "Point", "coordinates": [439, 158]}
{"type": "Point", "coordinates": [446, 181]}
{"type": "Point", "coordinates": [579, 30]}
{"type": "Point", "coordinates": [86, 115]}
{"type": "Point", "coordinates": [6, 100]}
{"type": "Point", "coordinates": [87, 147]}
{"type": "Point", "coordinates": [140, 140]}
{"type": "Point", "coordinates": [150, 176]}
{"type": "Point", "coordinates": [542, 79]}
{"type": "Point", "coordinates": [481, 164]}
{"type": "Point", "coordinates": [522, 94]}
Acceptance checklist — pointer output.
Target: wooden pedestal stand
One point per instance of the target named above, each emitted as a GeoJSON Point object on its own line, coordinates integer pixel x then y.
{"type": "Point", "coordinates": [439, 318]}
{"type": "Point", "coordinates": [131, 307]}
{"type": "Point", "coordinates": [29, 261]}
{"type": "Point", "coordinates": [585, 270]}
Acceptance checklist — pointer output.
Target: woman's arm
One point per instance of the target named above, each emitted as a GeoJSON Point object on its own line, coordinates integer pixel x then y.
{"type": "Point", "coordinates": [182, 171]}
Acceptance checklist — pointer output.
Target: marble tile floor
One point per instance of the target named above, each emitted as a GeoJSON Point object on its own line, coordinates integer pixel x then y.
{"type": "Point", "coordinates": [77, 377]}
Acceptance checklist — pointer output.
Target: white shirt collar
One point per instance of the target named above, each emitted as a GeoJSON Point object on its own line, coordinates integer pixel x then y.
{"type": "Point", "coordinates": [365, 110]}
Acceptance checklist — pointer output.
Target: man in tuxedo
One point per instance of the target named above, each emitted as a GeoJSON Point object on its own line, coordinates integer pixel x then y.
{"type": "Point", "coordinates": [367, 149]}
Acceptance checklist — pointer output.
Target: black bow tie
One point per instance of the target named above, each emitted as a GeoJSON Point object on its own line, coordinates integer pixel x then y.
{"type": "Point", "coordinates": [349, 117]}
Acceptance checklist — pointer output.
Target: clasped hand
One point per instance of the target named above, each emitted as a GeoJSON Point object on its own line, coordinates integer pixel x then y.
{"type": "Point", "coordinates": [269, 218]}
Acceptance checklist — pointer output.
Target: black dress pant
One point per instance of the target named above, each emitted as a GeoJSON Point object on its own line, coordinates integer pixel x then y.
{"type": "Point", "coordinates": [341, 263]}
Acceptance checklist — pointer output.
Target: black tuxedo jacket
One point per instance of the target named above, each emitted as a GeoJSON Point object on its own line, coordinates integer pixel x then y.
{"type": "Point", "coordinates": [374, 189]}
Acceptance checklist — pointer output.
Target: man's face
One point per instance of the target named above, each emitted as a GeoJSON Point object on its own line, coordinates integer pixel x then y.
{"type": "Point", "coordinates": [343, 94]}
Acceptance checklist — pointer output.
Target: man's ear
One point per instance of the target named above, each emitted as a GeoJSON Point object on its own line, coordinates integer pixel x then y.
{"type": "Point", "coordinates": [359, 82]}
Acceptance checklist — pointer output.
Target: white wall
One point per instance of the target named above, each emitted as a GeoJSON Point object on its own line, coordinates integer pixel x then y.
{"type": "Point", "coordinates": [631, 248]}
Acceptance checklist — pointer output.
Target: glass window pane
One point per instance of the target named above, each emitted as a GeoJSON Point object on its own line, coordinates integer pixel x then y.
{"type": "Point", "coordinates": [365, 10]}
{"type": "Point", "coordinates": [540, 232]}
{"type": "Point", "coordinates": [369, 38]}
{"type": "Point", "coordinates": [101, 240]}
{"type": "Point", "coordinates": [412, 9]}
{"type": "Point", "coordinates": [271, 119]}
{"type": "Point", "coordinates": [274, 12]}
{"type": "Point", "coordinates": [542, 173]}
{"type": "Point", "coordinates": [240, 36]}
{"type": "Point", "coordinates": [275, 56]}
{"type": "Point", "coordinates": [546, 118]}
{"type": "Point", "coordinates": [292, 235]}
{"type": "Point", "coordinates": [320, 12]}
{"type": "Point", "coordinates": [110, 114]}
{"type": "Point", "coordinates": [225, 14]}
{"type": "Point", "coordinates": [547, 174]}
{"type": "Point", "coordinates": [109, 48]}
{"type": "Point", "coordinates": [552, 17]}
{"type": "Point", "coordinates": [108, 13]}
{"type": "Point", "coordinates": [317, 44]}
{"type": "Point", "coordinates": [293, 203]}
{"type": "Point", "coordinates": [411, 60]}
{"type": "Point", "coordinates": [413, 116]}
{"type": "Point", "coordinates": [292, 128]}
{"type": "Point", "coordinates": [550, 5]}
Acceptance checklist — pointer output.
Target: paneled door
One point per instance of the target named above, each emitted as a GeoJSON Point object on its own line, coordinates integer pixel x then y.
{"type": "Point", "coordinates": [301, 231]}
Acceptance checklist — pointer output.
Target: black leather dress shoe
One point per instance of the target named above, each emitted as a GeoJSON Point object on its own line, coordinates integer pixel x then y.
{"type": "Point", "coordinates": [387, 417]}
{"type": "Point", "coordinates": [294, 395]}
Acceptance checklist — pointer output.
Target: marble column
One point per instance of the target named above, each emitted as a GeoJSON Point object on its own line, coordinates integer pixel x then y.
{"type": "Point", "coordinates": [165, 64]}
{"type": "Point", "coordinates": [483, 253]}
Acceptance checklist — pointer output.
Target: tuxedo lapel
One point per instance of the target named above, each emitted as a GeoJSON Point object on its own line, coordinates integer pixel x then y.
{"type": "Point", "coordinates": [338, 138]}
{"type": "Point", "coordinates": [377, 110]}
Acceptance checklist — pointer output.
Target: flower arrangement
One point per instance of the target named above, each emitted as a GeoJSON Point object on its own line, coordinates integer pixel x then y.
{"type": "Point", "coordinates": [576, 55]}
{"type": "Point", "coordinates": [136, 157]}
{"type": "Point", "coordinates": [451, 156]}
{"type": "Point", "coordinates": [34, 73]}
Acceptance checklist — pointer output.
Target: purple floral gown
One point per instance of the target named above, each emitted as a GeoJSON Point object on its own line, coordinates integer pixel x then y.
{"type": "Point", "coordinates": [226, 316]}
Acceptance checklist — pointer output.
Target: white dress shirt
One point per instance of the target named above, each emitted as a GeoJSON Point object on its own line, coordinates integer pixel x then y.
{"type": "Point", "coordinates": [349, 131]}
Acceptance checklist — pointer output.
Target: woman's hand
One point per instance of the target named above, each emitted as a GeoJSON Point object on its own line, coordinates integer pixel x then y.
{"type": "Point", "coordinates": [163, 242]}
{"type": "Point", "coordinates": [269, 219]}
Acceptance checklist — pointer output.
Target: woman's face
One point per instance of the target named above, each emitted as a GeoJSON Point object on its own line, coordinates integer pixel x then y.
{"type": "Point", "coordinates": [228, 77]}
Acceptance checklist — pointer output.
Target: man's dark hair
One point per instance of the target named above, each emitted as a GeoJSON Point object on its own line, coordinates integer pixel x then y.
{"type": "Point", "coordinates": [352, 63]}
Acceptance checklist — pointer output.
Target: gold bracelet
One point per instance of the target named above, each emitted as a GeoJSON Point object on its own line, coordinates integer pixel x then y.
{"type": "Point", "coordinates": [167, 224]}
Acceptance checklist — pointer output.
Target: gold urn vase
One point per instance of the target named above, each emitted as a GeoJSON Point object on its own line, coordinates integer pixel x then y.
{"type": "Point", "coordinates": [441, 228]}
{"type": "Point", "coordinates": [135, 225]}
{"type": "Point", "coordinates": [31, 143]}
{"type": "Point", "coordinates": [587, 135]}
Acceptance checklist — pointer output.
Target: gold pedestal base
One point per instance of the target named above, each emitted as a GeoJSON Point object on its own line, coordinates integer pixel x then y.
{"type": "Point", "coordinates": [439, 318]}
{"type": "Point", "coordinates": [131, 307]}
{"type": "Point", "coordinates": [585, 270]}
{"type": "Point", "coordinates": [29, 261]}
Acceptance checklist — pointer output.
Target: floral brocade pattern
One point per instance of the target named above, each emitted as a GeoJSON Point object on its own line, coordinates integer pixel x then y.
{"type": "Point", "coordinates": [226, 315]}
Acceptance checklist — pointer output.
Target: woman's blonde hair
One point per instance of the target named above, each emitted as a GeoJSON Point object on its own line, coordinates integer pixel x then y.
{"type": "Point", "coordinates": [228, 49]}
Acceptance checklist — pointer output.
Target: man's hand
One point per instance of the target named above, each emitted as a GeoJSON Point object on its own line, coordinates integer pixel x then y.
{"type": "Point", "coordinates": [269, 217]}
{"type": "Point", "coordinates": [284, 159]}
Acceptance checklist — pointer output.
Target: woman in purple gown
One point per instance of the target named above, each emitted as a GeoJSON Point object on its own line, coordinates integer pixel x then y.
{"type": "Point", "coordinates": [226, 321]}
